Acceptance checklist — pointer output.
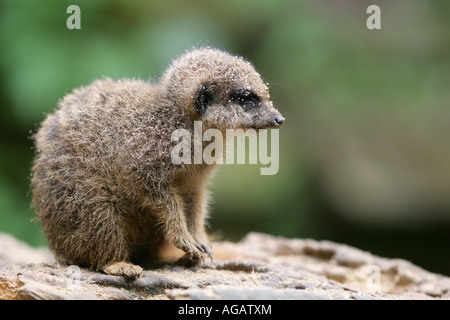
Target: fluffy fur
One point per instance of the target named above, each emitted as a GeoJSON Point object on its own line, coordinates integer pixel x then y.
{"type": "Point", "coordinates": [104, 186]}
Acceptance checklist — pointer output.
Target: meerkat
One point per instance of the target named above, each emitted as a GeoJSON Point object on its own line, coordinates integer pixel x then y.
{"type": "Point", "coordinates": [103, 184]}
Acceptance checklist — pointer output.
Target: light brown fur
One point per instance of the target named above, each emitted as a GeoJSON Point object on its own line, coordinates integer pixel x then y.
{"type": "Point", "coordinates": [104, 186]}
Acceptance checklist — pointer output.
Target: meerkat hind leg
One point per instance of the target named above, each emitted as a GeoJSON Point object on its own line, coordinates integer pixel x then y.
{"type": "Point", "coordinates": [128, 270]}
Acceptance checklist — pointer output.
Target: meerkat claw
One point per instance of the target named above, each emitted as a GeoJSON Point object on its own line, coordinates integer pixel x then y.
{"type": "Point", "coordinates": [208, 252]}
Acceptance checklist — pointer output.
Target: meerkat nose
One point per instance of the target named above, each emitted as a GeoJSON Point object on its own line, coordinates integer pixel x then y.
{"type": "Point", "coordinates": [278, 120]}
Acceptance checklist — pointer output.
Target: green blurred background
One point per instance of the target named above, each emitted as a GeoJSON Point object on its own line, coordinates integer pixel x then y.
{"type": "Point", "coordinates": [364, 152]}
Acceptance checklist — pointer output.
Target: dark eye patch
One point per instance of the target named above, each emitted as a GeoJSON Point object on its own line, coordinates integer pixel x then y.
{"type": "Point", "coordinates": [246, 98]}
{"type": "Point", "coordinates": [204, 98]}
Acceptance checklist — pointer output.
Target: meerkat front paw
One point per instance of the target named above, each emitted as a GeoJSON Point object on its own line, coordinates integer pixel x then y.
{"type": "Point", "coordinates": [122, 268]}
{"type": "Point", "coordinates": [190, 259]}
{"type": "Point", "coordinates": [195, 252]}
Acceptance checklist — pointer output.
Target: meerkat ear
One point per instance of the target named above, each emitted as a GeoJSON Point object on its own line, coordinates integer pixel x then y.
{"type": "Point", "coordinates": [204, 97]}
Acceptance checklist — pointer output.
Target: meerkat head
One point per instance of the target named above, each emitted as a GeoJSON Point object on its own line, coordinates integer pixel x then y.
{"type": "Point", "coordinates": [223, 91]}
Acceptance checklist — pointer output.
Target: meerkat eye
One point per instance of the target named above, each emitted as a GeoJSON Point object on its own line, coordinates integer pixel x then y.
{"type": "Point", "coordinates": [248, 104]}
{"type": "Point", "coordinates": [246, 98]}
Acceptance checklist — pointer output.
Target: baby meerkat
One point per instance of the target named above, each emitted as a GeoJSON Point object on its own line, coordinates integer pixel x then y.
{"type": "Point", "coordinates": [104, 187]}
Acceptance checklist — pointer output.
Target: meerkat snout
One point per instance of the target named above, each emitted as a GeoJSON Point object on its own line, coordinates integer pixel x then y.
{"type": "Point", "coordinates": [278, 120]}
